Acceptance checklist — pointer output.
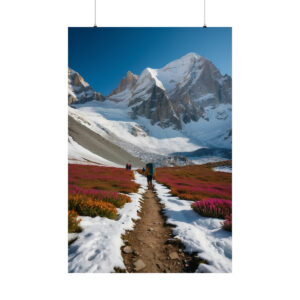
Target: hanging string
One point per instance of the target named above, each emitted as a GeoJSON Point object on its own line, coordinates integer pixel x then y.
{"type": "Point", "coordinates": [95, 24]}
{"type": "Point", "coordinates": [204, 15]}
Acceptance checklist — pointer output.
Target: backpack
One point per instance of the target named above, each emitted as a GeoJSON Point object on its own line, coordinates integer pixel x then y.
{"type": "Point", "coordinates": [151, 168]}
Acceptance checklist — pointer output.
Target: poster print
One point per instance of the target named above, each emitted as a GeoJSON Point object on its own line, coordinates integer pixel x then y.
{"type": "Point", "coordinates": [150, 139]}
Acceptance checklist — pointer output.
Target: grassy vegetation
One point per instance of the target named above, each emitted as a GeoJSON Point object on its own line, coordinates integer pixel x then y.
{"type": "Point", "coordinates": [196, 182]}
{"type": "Point", "coordinates": [112, 197]}
{"type": "Point", "coordinates": [73, 222]}
{"type": "Point", "coordinates": [95, 191]}
{"type": "Point", "coordinates": [89, 207]}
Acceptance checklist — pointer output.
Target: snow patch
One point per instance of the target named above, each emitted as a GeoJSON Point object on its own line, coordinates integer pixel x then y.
{"type": "Point", "coordinates": [206, 159]}
{"type": "Point", "coordinates": [226, 169]}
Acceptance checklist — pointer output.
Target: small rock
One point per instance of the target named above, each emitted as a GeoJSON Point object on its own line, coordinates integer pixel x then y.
{"type": "Point", "coordinates": [135, 253]}
{"type": "Point", "coordinates": [186, 265]}
{"type": "Point", "coordinates": [158, 266]}
{"type": "Point", "coordinates": [180, 250]}
{"type": "Point", "coordinates": [173, 241]}
{"type": "Point", "coordinates": [150, 229]}
{"type": "Point", "coordinates": [127, 250]}
{"type": "Point", "coordinates": [174, 255]}
{"type": "Point", "coordinates": [125, 241]}
{"type": "Point", "coordinates": [139, 265]}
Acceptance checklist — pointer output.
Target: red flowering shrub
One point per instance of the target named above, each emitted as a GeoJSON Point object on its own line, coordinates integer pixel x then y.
{"type": "Point", "coordinates": [195, 182]}
{"type": "Point", "coordinates": [95, 191]}
{"type": "Point", "coordinates": [215, 208]}
{"type": "Point", "coordinates": [102, 178]}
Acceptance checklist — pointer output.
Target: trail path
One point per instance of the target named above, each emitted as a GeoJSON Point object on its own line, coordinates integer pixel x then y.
{"type": "Point", "coordinates": [150, 247]}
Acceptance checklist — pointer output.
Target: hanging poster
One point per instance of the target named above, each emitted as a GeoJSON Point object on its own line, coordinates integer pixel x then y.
{"type": "Point", "coordinates": [150, 139]}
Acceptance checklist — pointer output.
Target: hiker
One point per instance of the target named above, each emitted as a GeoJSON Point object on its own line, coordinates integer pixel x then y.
{"type": "Point", "coordinates": [127, 166]}
{"type": "Point", "coordinates": [150, 173]}
{"type": "Point", "coordinates": [143, 170]}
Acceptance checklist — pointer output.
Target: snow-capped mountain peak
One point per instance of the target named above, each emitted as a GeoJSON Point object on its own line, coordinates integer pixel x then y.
{"type": "Point", "coordinates": [79, 91]}
{"type": "Point", "coordinates": [187, 60]}
{"type": "Point", "coordinates": [147, 80]}
{"type": "Point", "coordinates": [185, 91]}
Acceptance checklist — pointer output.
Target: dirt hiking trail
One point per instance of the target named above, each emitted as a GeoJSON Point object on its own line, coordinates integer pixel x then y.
{"type": "Point", "coordinates": [150, 247]}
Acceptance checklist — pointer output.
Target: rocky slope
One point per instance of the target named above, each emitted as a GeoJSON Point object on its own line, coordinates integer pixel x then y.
{"type": "Point", "coordinates": [80, 91]}
{"type": "Point", "coordinates": [127, 84]}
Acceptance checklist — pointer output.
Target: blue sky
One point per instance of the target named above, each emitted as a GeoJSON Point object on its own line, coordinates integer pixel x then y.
{"type": "Point", "coordinates": [104, 55]}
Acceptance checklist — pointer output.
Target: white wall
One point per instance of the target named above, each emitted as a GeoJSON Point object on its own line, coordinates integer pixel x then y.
{"type": "Point", "coordinates": [33, 122]}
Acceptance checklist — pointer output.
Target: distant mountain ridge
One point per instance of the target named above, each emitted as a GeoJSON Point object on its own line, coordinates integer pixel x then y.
{"type": "Point", "coordinates": [187, 90]}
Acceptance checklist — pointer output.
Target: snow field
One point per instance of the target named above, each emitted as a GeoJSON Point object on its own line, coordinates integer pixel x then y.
{"type": "Point", "coordinates": [115, 124]}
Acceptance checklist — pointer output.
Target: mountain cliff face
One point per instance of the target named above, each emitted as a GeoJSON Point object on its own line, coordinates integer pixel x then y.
{"type": "Point", "coordinates": [158, 108]}
{"type": "Point", "coordinates": [80, 91]}
{"type": "Point", "coordinates": [127, 83]}
{"type": "Point", "coordinates": [176, 94]}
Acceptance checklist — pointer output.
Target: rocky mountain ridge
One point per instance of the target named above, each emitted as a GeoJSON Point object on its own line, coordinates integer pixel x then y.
{"type": "Point", "coordinates": [79, 91]}
{"type": "Point", "coordinates": [176, 94]}
{"type": "Point", "coordinates": [179, 93]}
